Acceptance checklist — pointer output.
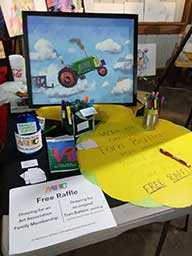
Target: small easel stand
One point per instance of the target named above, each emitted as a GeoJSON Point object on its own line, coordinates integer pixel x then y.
{"type": "Point", "coordinates": [175, 55]}
{"type": "Point", "coordinates": [160, 81]}
{"type": "Point", "coordinates": [171, 62]}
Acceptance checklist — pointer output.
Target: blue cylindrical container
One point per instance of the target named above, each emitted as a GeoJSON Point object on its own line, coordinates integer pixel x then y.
{"type": "Point", "coordinates": [28, 134]}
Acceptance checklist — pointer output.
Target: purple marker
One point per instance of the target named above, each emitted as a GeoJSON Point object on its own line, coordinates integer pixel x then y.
{"type": "Point", "coordinates": [162, 99]}
{"type": "Point", "coordinates": [157, 94]}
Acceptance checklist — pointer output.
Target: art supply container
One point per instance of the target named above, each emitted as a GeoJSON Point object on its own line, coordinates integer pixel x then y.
{"type": "Point", "coordinates": [78, 117]}
{"type": "Point", "coordinates": [17, 64]}
{"type": "Point", "coordinates": [82, 123]}
{"type": "Point", "coordinates": [28, 134]}
{"type": "Point", "coordinates": [150, 118]}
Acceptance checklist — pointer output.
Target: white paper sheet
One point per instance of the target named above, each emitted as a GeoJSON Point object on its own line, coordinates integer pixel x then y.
{"type": "Point", "coordinates": [89, 5]}
{"type": "Point", "coordinates": [29, 163]}
{"type": "Point", "coordinates": [134, 8]}
{"type": "Point", "coordinates": [146, 64]}
{"type": "Point", "coordinates": [40, 5]}
{"type": "Point", "coordinates": [108, 8]}
{"type": "Point", "coordinates": [72, 207]}
{"type": "Point", "coordinates": [33, 175]}
{"type": "Point", "coordinates": [87, 145]}
{"type": "Point", "coordinates": [157, 10]}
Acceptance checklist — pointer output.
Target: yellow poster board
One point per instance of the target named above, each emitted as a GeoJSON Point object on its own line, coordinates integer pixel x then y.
{"type": "Point", "coordinates": [106, 113]}
{"type": "Point", "coordinates": [147, 203]}
{"type": "Point", "coordinates": [129, 166]}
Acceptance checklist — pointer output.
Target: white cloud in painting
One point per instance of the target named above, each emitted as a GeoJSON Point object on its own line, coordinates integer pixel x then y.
{"type": "Point", "coordinates": [51, 73]}
{"type": "Point", "coordinates": [105, 84]}
{"type": "Point", "coordinates": [43, 50]}
{"type": "Point", "coordinates": [60, 92]}
{"type": "Point", "coordinates": [124, 64]}
{"type": "Point", "coordinates": [38, 89]}
{"type": "Point", "coordinates": [110, 46]}
{"type": "Point", "coordinates": [128, 41]}
{"type": "Point", "coordinates": [129, 57]}
{"type": "Point", "coordinates": [124, 86]}
{"type": "Point", "coordinates": [71, 50]}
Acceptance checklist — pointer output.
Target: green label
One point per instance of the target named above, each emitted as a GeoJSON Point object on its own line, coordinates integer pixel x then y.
{"type": "Point", "coordinates": [26, 128]}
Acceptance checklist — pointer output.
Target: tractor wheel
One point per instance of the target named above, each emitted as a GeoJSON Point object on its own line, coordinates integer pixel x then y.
{"type": "Point", "coordinates": [102, 71]}
{"type": "Point", "coordinates": [67, 77]}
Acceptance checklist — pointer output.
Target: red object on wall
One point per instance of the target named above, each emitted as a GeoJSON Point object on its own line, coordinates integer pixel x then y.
{"type": "Point", "coordinates": [3, 74]}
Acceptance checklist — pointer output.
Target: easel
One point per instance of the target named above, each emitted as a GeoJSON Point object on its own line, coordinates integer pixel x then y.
{"type": "Point", "coordinates": [160, 81]}
{"type": "Point", "coordinates": [170, 64]}
{"type": "Point", "coordinates": [175, 54]}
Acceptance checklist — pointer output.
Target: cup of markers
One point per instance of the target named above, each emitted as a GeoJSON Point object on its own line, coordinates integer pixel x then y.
{"type": "Point", "coordinates": [151, 112]}
{"type": "Point", "coordinates": [78, 116]}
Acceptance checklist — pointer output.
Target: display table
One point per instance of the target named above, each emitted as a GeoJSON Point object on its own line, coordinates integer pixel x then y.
{"type": "Point", "coordinates": [127, 216]}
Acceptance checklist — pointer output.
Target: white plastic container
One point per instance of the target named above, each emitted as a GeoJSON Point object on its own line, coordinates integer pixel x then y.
{"type": "Point", "coordinates": [17, 64]}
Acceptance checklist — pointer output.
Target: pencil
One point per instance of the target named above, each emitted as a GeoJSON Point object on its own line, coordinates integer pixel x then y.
{"type": "Point", "coordinates": [53, 127]}
{"type": "Point", "coordinates": [166, 153]}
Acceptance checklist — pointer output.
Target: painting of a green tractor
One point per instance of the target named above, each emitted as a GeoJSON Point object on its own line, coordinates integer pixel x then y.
{"type": "Point", "coordinates": [68, 76]}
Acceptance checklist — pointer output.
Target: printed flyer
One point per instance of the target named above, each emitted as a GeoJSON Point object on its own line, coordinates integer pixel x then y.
{"type": "Point", "coordinates": [72, 207]}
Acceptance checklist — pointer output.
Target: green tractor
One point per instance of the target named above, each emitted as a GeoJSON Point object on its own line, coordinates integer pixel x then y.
{"type": "Point", "coordinates": [69, 75]}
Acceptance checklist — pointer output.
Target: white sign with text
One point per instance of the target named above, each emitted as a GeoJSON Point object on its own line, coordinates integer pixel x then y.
{"type": "Point", "coordinates": [72, 207]}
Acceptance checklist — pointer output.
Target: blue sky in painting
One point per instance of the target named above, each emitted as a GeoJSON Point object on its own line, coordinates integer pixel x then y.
{"type": "Point", "coordinates": [108, 39]}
